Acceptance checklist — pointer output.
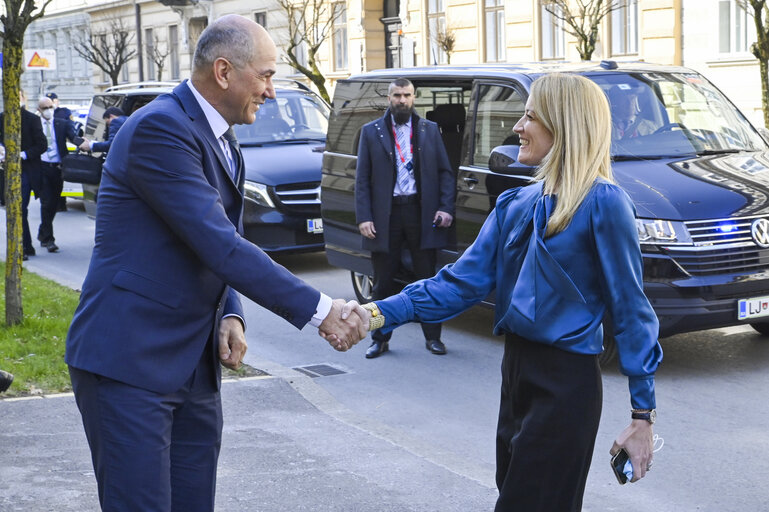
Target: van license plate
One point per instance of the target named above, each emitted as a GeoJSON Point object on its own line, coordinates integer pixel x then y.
{"type": "Point", "coordinates": [315, 225]}
{"type": "Point", "coordinates": [752, 308]}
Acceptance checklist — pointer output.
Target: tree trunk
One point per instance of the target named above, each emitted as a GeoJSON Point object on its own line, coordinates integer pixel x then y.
{"type": "Point", "coordinates": [764, 68]}
{"type": "Point", "coordinates": [12, 59]}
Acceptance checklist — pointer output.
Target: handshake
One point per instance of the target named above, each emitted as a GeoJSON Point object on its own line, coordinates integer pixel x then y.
{"type": "Point", "coordinates": [345, 325]}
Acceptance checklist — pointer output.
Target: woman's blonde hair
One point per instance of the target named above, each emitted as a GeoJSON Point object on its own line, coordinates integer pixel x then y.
{"type": "Point", "coordinates": [576, 112]}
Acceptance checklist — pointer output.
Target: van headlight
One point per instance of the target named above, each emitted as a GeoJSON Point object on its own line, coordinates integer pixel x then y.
{"type": "Point", "coordinates": [656, 231]}
{"type": "Point", "coordinates": [258, 193]}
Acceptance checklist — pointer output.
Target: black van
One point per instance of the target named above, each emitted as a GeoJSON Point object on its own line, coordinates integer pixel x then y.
{"type": "Point", "coordinates": [282, 153]}
{"type": "Point", "coordinates": [698, 174]}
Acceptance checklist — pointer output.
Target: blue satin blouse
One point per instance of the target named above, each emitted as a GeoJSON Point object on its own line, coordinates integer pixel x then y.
{"type": "Point", "coordinates": [553, 290]}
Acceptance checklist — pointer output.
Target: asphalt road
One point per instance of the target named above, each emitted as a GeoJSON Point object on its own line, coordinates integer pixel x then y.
{"type": "Point", "coordinates": [711, 391]}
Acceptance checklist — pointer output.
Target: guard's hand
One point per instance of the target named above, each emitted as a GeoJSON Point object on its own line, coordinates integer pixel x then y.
{"type": "Point", "coordinates": [638, 441]}
{"type": "Point", "coordinates": [442, 219]}
{"type": "Point", "coordinates": [85, 145]}
{"type": "Point", "coordinates": [367, 229]}
{"type": "Point", "coordinates": [342, 329]}
{"type": "Point", "coordinates": [232, 342]}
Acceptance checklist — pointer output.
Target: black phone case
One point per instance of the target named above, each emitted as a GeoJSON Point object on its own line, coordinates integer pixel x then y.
{"type": "Point", "coordinates": [618, 461]}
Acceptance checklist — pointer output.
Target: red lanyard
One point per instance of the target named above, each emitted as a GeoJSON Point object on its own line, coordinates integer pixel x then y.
{"type": "Point", "coordinates": [398, 146]}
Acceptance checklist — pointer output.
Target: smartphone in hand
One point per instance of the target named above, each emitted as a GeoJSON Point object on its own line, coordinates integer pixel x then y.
{"type": "Point", "coordinates": [618, 462]}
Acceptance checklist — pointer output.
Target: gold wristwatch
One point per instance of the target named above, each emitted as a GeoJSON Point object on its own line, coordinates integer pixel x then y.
{"type": "Point", "coordinates": [377, 319]}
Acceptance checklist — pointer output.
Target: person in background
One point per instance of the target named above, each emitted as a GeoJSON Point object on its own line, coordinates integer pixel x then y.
{"type": "Point", "coordinates": [33, 145]}
{"type": "Point", "coordinates": [159, 311]}
{"type": "Point", "coordinates": [626, 121]}
{"type": "Point", "coordinates": [57, 132]}
{"type": "Point", "coordinates": [404, 196]}
{"type": "Point", "coordinates": [114, 117]}
{"type": "Point", "coordinates": [539, 248]}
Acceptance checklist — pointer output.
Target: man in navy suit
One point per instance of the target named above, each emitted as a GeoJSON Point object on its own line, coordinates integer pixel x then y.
{"type": "Point", "coordinates": [114, 117]}
{"type": "Point", "coordinates": [33, 144]}
{"type": "Point", "coordinates": [57, 131]}
{"type": "Point", "coordinates": [404, 196]}
{"type": "Point", "coordinates": [158, 310]}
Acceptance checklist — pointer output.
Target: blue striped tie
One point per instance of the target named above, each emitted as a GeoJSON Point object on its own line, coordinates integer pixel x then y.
{"type": "Point", "coordinates": [405, 151]}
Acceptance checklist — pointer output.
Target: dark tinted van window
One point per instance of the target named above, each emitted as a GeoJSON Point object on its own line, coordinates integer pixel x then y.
{"type": "Point", "coordinates": [499, 108]}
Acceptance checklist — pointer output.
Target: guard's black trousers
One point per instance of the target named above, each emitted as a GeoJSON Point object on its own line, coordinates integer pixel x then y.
{"type": "Point", "coordinates": [548, 420]}
{"type": "Point", "coordinates": [405, 229]}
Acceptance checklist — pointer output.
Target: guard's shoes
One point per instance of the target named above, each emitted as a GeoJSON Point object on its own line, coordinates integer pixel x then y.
{"type": "Point", "coordinates": [377, 348]}
{"type": "Point", "coordinates": [5, 380]}
{"type": "Point", "coordinates": [52, 247]}
{"type": "Point", "coordinates": [29, 251]}
{"type": "Point", "coordinates": [435, 346]}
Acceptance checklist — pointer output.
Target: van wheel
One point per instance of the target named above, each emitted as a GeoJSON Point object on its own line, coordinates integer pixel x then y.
{"type": "Point", "coordinates": [762, 328]}
{"type": "Point", "coordinates": [363, 286]}
{"type": "Point", "coordinates": [609, 351]}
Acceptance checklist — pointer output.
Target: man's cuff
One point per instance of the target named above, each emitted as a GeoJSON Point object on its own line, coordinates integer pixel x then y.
{"type": "Point", "coordinates": [90, 145]}
{"type": "Point", "coordinates": [321, 311]}
{"type": "Point", "coordinates": [23, 155]}
{"type": "Point", "coordinates": [238, 317]}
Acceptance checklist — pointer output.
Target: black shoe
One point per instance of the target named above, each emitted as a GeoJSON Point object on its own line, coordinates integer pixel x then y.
{"type": "Point", "coordinates": [29, 251]}
{"type": "Point", "coordinates": [52, 247]}
{"type": "Point", "coordinates": [435, 346]}
{"type": "Point", "coordinates": [24, 257]}
{"type": "Point", "coordinates": [5, 380]}
{"type": "Point", "coordinates": [377, 348]}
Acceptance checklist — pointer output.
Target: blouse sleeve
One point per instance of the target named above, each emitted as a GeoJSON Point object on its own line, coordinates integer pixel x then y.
{"type": "Point", "coordinates": [635, 324]}
{"type": "Point", "coordinates": [454, 289]}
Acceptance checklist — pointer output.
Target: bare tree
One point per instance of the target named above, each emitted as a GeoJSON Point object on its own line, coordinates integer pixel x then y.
{"type": "Point", "coordinates": [109, 50]}
{"type": "Point", "coordinates": [18, 15]}
{"type": "Point", "coordinates": [446, 40]}
{"type": "Point", "coordinates": [759, 10]}
{"type": "Point", "coordinates": [583, 22]}
{"type": "Point", "coordinates": [309, 25]}
{"type": "Point", "coordinates": [157, 55]}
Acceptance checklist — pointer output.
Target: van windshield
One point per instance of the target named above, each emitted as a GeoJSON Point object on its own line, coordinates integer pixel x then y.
{"type": "Point", "coordinates": [657, 115]}
{"type": "Point", "coordinates": [291, 117]}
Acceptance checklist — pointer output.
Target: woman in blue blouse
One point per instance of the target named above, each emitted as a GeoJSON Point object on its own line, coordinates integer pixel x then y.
{"type": "Point", "coordinates": [561, 253]}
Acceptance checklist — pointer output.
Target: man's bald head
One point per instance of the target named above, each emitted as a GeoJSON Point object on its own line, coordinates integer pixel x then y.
{"type": "Point", "coordinates": [44, 103]}
{"type": "Point", "coordinates": [233, 37]}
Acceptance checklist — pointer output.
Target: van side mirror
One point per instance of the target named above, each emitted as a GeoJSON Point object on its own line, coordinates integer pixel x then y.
{"type": "Point", "coordinates": [504, 160]}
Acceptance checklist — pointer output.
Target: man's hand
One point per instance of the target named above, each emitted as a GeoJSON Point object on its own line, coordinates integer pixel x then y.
{"type": "Point", "coordinates": [367, 229]}
{"type": "Point", "coordinates": [341, 328]}
{"type": "Point", "coordinates": [85, 145]}
{"type": "Point", "coordinates": [232, 342]}
{"type": "Point", "coordinates": [445, 219]}
{"type": "Point", "coordinates": [637, 440]}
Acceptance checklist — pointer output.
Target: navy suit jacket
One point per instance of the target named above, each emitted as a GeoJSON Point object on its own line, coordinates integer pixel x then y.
{"type": "Point", "coordinates": [112, 129]}
{"type": "Point", "coordinates": [168, 253]}
{"type": "Point", "coordinates": [33, 143]}
{"type": "Point", "coordinates": [375, 178]}
{"type": "Point", "coordinates": [63, 129]}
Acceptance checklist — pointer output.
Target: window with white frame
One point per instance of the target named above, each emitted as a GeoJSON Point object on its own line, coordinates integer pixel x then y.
{"type": "Point", "coordinates": [436, 26]}
{"type": "Point", "coordinates": [261, 18]}
{"type": "Point", "coordinates": [298, 28]}
{"type": "Point", "coordinates": [624, 28]}
{"type": "Point", "coordinates": [149, 45]}
{"type": "Point", "coordinates": [173, 51]}
{"type": "Point", "coordinates": [495, 30]}
{"type": "Point", "coordinates": [735, 32]}
{"type": "Point", "coordinates": [339, 26]}
{"type": "Point", "coordinates": [553, 34]}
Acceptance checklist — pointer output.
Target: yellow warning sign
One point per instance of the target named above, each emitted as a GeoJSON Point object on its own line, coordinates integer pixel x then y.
{"type": "Point", "coordinates": [40, 59]}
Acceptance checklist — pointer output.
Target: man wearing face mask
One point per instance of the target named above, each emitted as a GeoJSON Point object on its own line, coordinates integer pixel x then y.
{"type": "Point", "coordinates": [404, 196]}
{"type": "Point", "coordinates": [56, 131]}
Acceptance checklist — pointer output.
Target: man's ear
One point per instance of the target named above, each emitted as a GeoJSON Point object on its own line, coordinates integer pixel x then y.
{"type": "Point", "coordinates": [223, 72]}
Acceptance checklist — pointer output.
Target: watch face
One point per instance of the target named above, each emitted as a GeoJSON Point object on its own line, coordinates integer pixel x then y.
{"type": "Point", "coordinates": [653, 416]}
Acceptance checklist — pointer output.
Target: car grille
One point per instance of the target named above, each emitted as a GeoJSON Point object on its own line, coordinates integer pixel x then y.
{"type": "Point", "coordinates": [720, 247]}
{"type": "Point", "coordinates": [300, 198]}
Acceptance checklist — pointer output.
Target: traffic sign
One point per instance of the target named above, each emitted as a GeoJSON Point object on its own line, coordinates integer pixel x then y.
{"type": "Point", "coordinates": [40, 59]}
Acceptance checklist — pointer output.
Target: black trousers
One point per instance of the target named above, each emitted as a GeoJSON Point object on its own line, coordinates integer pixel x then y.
{"type": "Point", "coordinates": [49, 200]}
{"type": "Point", "coordinates": [548, 420]}
{"type": "Point", "coordinates": [405, 228]}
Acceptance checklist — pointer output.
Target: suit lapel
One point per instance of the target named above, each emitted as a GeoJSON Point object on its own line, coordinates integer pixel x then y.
{"type": "Point", "coordinates": [385, 136]}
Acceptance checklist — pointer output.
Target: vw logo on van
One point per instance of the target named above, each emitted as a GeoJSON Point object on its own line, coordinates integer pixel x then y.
{"type": "Point", "coordinates": [760, 232]}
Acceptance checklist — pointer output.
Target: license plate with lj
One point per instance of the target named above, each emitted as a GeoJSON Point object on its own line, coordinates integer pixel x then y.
{"type": "Point", "coordinates": [315, 225]}
{"type": "Point", "coordinates": [752, 308]}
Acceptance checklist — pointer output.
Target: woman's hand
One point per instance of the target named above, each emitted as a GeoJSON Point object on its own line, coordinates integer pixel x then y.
{"type": "Point", "coordinates": [637, 440]}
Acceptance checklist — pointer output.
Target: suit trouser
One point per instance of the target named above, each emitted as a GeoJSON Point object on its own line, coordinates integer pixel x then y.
{"type": "Point", "coordinates": [405, 228]}
{"type": "Point", "coordinates": [153, 452]}
{"type": "Point", "coordinates": [49, 200]}
{"type": "Point", "coordinates": [26, 192]}
{"type": "Point", "coordinates": [548, 419]}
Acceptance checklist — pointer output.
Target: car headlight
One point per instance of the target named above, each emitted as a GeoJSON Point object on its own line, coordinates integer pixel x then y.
{"type": "Point", "coordinates": [656, 231]}
{"type": "Point", "coordinates": [258, 193]}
